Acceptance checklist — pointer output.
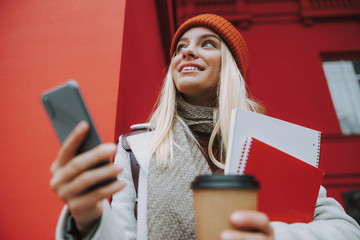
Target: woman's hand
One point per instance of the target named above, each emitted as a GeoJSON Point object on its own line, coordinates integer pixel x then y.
{"type": "Point", "coordinates": [72, 176]}
{"type": "Point", "coordinates": [249, 225]}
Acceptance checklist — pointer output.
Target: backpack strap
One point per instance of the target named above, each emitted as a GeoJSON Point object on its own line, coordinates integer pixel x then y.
{"type": "Point", "coordinates": [135, 167]}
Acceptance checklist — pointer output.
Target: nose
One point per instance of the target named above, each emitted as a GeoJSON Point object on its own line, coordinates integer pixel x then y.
{"type": "Point", "coordinates": [189, 52]}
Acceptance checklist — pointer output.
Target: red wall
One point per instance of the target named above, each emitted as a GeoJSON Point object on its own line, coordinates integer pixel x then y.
{"type": "Point", "coordinates": [286, 69]}
{"type": "Point", "coordinates": [143, 64]}
{"type": "Point", "coordinates": [42, 44]}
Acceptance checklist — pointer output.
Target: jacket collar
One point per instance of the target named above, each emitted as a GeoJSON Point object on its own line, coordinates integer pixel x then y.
{"type": "Point", "coordinates": [140, 146]}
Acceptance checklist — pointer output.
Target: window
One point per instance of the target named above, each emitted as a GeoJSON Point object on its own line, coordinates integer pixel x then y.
{"type": "Point", "coordinates": [343, 78]}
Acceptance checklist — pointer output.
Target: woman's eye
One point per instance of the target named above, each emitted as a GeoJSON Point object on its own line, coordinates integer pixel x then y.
{"type": "Point", "coordinates": [209, 44]}
{"type": "Point", "coordinates": [180, 47]}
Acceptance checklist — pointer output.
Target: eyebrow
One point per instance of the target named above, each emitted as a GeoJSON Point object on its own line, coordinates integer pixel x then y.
{"type": "Point", "coordinates": [210, 35]}
{"type": "Point", "coordinates": [202, 36]}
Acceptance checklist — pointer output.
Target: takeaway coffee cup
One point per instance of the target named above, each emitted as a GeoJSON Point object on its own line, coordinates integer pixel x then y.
{"type": "Point", "coordinates": [216, 197]}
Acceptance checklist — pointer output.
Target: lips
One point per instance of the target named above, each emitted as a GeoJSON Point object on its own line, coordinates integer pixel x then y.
{"type": "Point", "coordinates": [190, 67]}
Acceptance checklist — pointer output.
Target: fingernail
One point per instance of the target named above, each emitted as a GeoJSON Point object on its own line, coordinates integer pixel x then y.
{"type": "Point", "coordinates": [236, 217]}
{"type": "Point", "coordinates": [119, 167]}
{"type": "Point", "coordinates": [111, 148]}
{"type": "Point", "coordinates": [121, 183]}
{"type": "Point", "coordinates": [226, 235]}
{"type": "Point", "coordinates": [81, 126]}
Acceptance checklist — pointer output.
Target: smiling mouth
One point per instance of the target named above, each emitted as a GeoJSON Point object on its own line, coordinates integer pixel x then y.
{"type": "Point", "coordinates": [190, 68]}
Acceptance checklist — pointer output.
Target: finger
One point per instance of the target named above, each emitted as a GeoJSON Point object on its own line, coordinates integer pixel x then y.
{"type": "Point", "coordinates": [242, 235]}
{"type": "Point", "coordinates": [70, 145]}
{"type": "Point", "coordinates": [91, 199]}
{"type": "Point", "coordinates": [252, 220]}
{"type": "Point", "coordinates": [81, 163]}
{"type": "Point", "coordinates": [87, 179]}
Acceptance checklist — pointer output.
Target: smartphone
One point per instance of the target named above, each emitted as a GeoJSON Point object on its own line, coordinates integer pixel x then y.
{"type": "Point", "coordinates": [65, 108]}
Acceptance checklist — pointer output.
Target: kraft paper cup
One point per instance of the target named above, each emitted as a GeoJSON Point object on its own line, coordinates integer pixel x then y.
{"type": "Point", "coordinates": [216, 197]}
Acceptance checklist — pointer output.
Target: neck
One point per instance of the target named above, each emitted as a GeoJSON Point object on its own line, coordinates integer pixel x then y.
{"type": "Point", "coordinates": [198, 118]}
{"type": "Point", "coordinates": [208, 101]}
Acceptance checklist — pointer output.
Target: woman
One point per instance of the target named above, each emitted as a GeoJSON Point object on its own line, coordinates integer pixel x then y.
{"type": "Point", "coordinates": [189, 137]}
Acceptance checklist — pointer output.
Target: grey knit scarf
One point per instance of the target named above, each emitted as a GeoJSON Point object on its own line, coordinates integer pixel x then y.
{"type": "Point", "coordinates": [170, 199]}
{"type": "Point", "coordinates": [198, 118]}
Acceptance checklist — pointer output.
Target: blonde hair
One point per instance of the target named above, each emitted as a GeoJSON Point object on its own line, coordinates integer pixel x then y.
{"type": "Point", "coordinates": [231, 93]}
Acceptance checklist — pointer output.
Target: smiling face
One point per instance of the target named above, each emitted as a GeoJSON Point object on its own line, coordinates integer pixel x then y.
{"type": "Point", "coordinates": [196, 65]}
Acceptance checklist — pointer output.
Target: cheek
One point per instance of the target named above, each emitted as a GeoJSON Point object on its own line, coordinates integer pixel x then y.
{"type": "Point", "coordinates": [173, 71]}
{"type": "Point", "coordinates": [215, 72]}
{"type": "Point", "coordinates": [219, 64]}
{"type": "Point", "coordinates": [173, 66]}
{"type": "Point", "coordinates": [215, 62]}
{"type": "Point", "coordinates": [174, 76]}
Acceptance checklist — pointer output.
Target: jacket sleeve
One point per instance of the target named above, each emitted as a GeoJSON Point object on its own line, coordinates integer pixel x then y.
{"type": "Point", "coordinates": [330, 222]}
{"type": "Point", "coordinates": [118, 220]}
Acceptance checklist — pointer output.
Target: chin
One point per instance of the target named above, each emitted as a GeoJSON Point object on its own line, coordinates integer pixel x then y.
{"type": "Point", "coordinates": [187, 91]}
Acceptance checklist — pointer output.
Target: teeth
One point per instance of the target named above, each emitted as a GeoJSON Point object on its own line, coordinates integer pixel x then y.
{"type": "Point", "coordinates": [190, 68]}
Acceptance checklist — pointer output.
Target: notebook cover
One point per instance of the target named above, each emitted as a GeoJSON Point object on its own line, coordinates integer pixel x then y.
{"type": "Point", "coordinates": [289, 186]}
{"type": "Point", "coordinates": [298, 141]}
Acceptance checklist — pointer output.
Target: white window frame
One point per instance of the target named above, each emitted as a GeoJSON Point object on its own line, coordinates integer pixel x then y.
{"type": "Point", "coordinates": [344, 86]}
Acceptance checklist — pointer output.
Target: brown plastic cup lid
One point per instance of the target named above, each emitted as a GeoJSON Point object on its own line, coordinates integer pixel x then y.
{"type": "Point", "coordinates": [216, 181]}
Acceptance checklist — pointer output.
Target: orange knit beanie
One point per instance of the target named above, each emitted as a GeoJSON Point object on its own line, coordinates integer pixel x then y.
{"type": "Point", "coordinates": [224, 29]}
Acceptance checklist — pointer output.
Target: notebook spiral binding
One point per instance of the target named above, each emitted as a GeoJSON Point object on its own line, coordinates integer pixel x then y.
{"type": "Point", "coordinates": [244, 156]}
{"type": "Point", "coordinates": [318, 150]}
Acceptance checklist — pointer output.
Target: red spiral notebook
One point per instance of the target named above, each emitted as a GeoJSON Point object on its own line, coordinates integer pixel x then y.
{"type": "Point", "coordinates": [289, 186]}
